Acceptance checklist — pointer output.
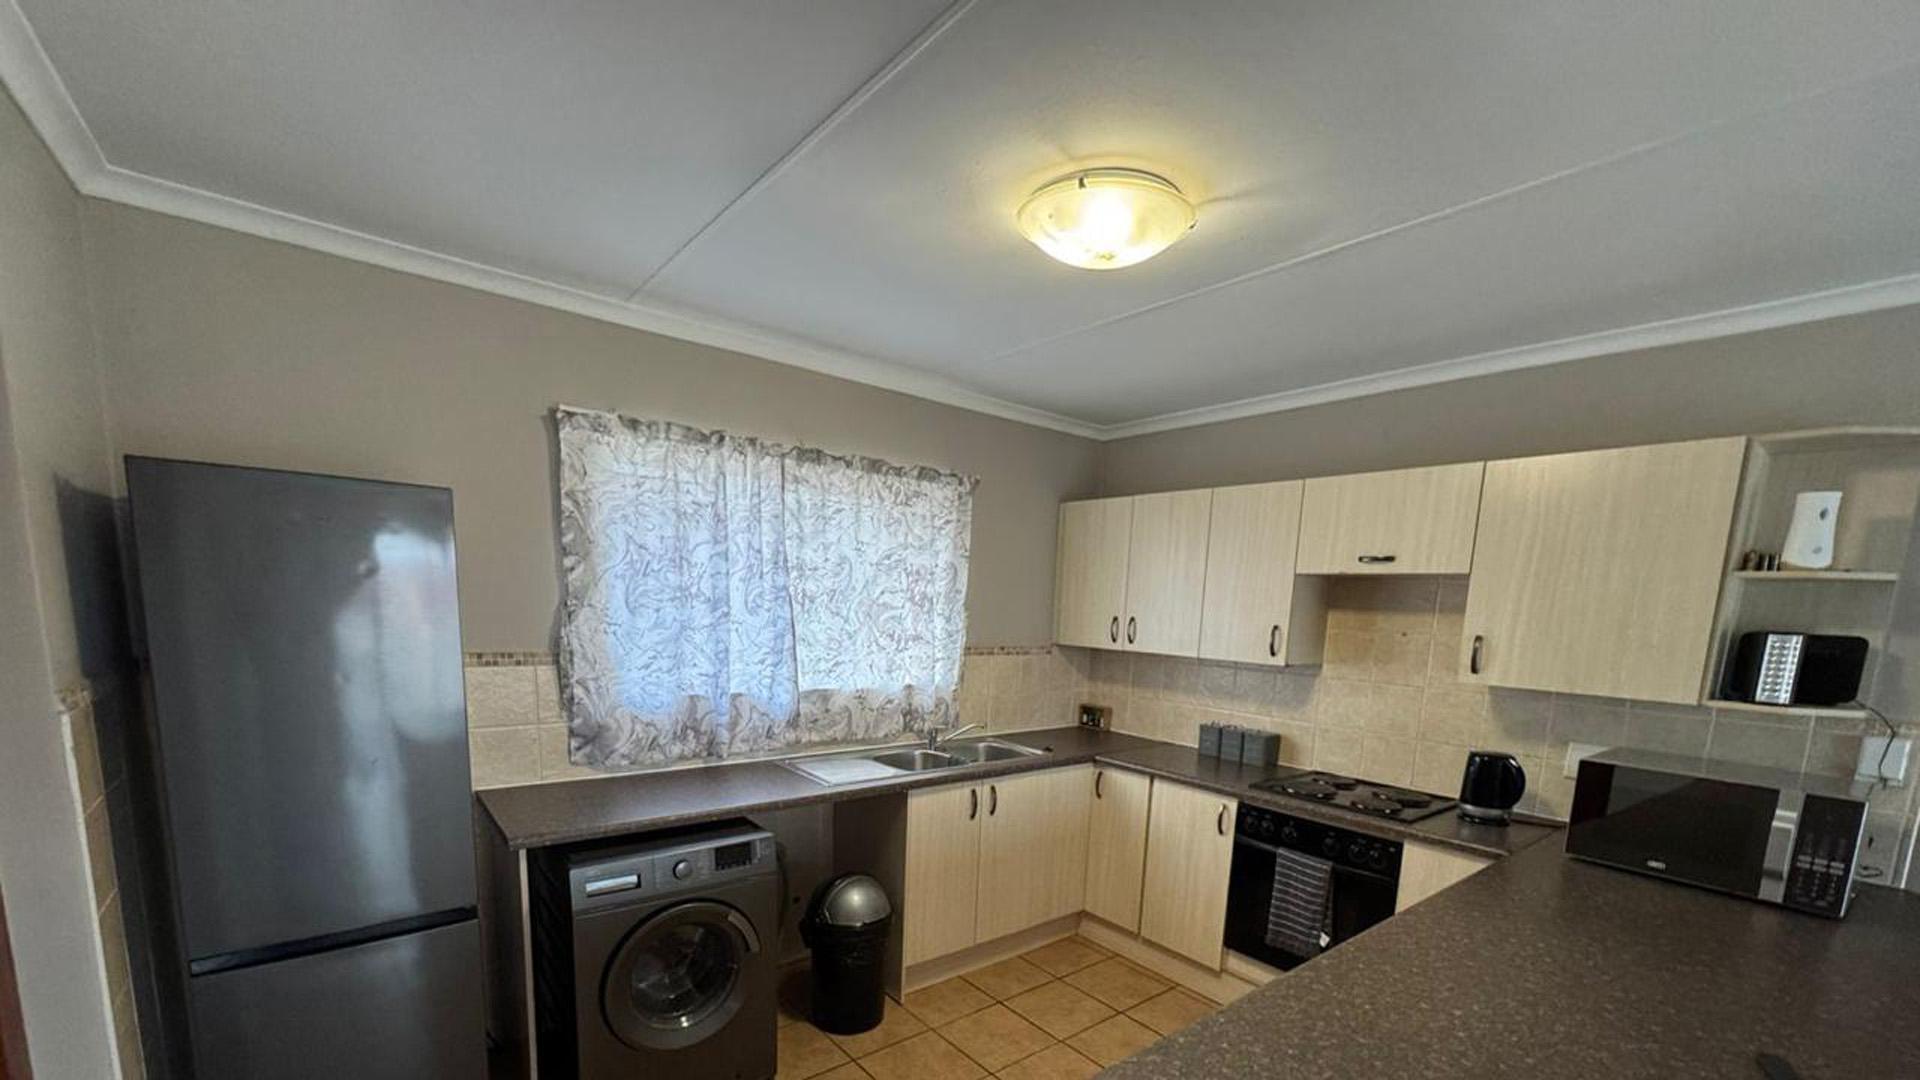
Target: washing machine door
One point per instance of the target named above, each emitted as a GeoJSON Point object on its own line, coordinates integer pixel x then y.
{"type": "Point", "coordinates": [676, 978]}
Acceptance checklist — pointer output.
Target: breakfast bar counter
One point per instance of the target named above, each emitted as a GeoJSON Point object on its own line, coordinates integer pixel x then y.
{"type": "Point", "coordinates": [1544, 966]}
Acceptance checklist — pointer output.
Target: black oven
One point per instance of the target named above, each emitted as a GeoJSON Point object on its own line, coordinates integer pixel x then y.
{"type": "Point", "coordinates": [1362, 883]}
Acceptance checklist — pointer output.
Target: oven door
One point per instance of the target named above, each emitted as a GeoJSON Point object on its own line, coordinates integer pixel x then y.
{"type": "Point", "coordinates": [1356, 900]}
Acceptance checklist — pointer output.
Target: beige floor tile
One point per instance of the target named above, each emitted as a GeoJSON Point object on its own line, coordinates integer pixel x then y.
{"type": "Point", "coordinates": [1066, 956]}
{"type": "Point", "coordinates": [1008, 978]}
{"type": "Point", "coordinates": [926, 1056]}
{"type": "Point", "coordinates": [1171, 1011]}
{"type": "Point", "coordinates": [945, 1002]}
{"type": "Point", "coordinates": [850, 1071]}
{"type": "Point", "coordinates": [805, 1050]}
{"type": "Point", "coordinates": [895, 1024]}
{"type": "Point", "coordinates": [1057, 1062]}
{"type": "Point", "coordinates": [996, 1037]}
{"type": "Point", "coordinates": [1117, 983]}
{"type": "Point", "coordinates": [1113, 1039]}
{"type": "Point", "coordinates": [1059, 1010]}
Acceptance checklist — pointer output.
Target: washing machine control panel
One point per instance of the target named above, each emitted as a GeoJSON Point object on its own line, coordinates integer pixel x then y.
{"type": "Point", "coordinates": [649, 869]}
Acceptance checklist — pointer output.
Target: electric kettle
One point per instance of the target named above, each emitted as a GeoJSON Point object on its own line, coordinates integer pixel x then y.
{"type": "Point", "coordinates": [1490, 786]}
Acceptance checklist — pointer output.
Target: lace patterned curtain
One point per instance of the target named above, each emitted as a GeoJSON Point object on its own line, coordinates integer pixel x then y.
{"type": "Point", "coordinates": [727, 596]}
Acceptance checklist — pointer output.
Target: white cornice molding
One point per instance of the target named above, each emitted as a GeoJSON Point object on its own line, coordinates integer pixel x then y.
{"type": "Point", "coordinates": [42, 95]}
{"type": "Point", "coordinates": [1766, 315]}
{"type": "Point", "coordinates": [161, 196]}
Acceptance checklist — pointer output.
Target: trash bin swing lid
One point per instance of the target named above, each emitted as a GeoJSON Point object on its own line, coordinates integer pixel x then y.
{"type": "Point", "coordinates": [852, 900]}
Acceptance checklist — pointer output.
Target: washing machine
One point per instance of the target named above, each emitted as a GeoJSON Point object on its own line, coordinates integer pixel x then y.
{"type": "Point", "coordinates": [671, 952]}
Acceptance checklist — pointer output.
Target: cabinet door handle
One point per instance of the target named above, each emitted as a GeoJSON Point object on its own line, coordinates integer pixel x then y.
{"type": "Point", "coordinates": [1273, 641]}
{"type": "Point", "coordinates": [993, 799]}
{"type": "Point", "coordinates": [1113, 630]}
{"type": "Point", "coordinates": [1473, 657]}
{"type": "Point", "coordinates": [973, 804]}
{"type": "Point", "coordinates": [1220, 820]}
{"type": "Point", "coordinates": [1370, 559]}
{"type": "Point", "coordinates": [1097, 777]}
{"type": "Point", "coordinates": [1131, 627]}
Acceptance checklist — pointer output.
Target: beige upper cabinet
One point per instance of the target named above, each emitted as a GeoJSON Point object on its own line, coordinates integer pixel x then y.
{"type": "Point", "coordinates": [1090, 575]}
{"type": "Point", "coordinates": [942, 872]}
{"type": "Point", "coordinates": [1183, 903]}
{"type": "Point", "coordinates": [1117, 846]}
{"type": "Point", "coordinates": [1167, 572]}
{"type": "Point", "coordinates": [1033, 849]}
{"type": "Point", "coordinates": [1598, 573]}
{"type": "Point", "coordinates": [1408, 521]}
{"type": "Point", "coordinates": [1255, 610]}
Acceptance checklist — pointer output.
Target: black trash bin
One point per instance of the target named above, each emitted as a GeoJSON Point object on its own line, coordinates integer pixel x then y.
{"type": "Point", "coordinates": [846, 927]}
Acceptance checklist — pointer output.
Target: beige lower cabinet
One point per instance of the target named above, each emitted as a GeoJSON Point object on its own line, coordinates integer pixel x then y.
{"type": "Point", "coordinates": [943, 871]}
{"type": "Point", "coordinates": [1425, 870]}
{"type": "Point", "coordinates": [1117, 846]}
{"type": "Point", "coordinates": [1033, 850]}
{"type": "Point", "coordinates": [1183, 902]}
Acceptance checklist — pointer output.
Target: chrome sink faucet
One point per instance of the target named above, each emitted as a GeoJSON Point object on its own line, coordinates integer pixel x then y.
{"type": "Point", "coordinates": [936, 736]}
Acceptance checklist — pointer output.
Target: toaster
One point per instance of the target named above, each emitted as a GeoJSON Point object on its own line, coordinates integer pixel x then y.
{"type": "Point", "coordinates": [1776, 667]}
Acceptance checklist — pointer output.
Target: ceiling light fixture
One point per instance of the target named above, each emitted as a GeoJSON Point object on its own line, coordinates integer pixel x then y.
{"type": "Point", "coordinates": [1104, 219]}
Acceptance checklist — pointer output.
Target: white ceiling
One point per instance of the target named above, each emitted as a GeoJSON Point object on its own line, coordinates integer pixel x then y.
{"type": "Point", "coordinates": [1390, 193]}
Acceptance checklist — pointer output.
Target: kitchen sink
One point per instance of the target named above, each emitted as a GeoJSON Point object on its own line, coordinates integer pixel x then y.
{"type": "Point", "coordinates": [983, 750]}
{"type": "Point", "coordinates": [861, 765]}
{"type": "Point", "coordinates": [918, 760]}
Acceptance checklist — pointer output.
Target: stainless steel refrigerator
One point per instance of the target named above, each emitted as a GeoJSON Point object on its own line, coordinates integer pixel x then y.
{"type": "Point", "coordinates": [311, 744]}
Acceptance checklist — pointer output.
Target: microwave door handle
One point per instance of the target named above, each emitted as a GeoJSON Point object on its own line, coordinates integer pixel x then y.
{"type": "Point", "coordinates": [1778, 861]}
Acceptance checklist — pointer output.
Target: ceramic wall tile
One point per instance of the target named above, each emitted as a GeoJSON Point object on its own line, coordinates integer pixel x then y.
{"type": "Point", "coordinates": [502, 696]}
{"type": "Point", "coordinates": [504, 755]}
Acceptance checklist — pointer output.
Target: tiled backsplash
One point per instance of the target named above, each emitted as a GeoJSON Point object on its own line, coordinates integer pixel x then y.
{"type": "Point", "coordinates": [98, 784]}
{"type": "Point", "coordinates": [518, 732]}
{"type": "Point", "coordinates": [1386, 705]}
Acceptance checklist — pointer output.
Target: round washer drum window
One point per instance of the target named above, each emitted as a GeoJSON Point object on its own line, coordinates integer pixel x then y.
{"type": "Point", "coordinates": [676, 979]}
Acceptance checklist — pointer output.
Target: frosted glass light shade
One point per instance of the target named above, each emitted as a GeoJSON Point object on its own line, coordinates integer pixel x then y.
{"type": "Point", "coordinates": [1104, 219]}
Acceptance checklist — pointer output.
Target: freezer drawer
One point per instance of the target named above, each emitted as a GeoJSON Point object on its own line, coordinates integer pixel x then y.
{"type": "Point", "coordinates": [404, 1008]}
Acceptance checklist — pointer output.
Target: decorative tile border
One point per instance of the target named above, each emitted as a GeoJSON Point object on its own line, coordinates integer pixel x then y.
{"type": "Point", "coordinates": [1007, 650]}
{"type": "Point", "coordinates": [507, 659]}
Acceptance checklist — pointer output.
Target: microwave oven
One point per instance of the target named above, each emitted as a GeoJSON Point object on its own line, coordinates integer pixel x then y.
{"type": "Point", "coordinates": [1780, 837]}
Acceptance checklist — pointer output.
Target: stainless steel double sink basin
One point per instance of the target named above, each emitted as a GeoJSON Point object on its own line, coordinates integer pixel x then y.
{"type": "Point", "coordinates": [860, 764]}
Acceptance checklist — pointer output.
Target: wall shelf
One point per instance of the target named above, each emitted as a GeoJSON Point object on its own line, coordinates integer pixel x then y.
{"type": "Point", "coordinates": [1834, 712]}
{"type": "Point", "coordinates": [1855, 576]}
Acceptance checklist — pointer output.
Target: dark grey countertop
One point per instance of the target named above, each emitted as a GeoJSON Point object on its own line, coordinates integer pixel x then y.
{"type": "Point", "coordinates": [563, 811]}
{"type": "Point", "coordinates": [1184, 764]}
{"type": "Point", "coordinates": [1542, 966]}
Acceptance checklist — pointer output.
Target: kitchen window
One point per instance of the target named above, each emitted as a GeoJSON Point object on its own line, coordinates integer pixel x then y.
{"type": "Point", "coordinates": [726, 596]}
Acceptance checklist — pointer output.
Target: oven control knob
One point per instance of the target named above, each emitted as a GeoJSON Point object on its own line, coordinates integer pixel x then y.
{"type": "Point", "coordinates": [1377, 857]}
{"type": "Point", "coordinates": [1289, 834]}
{"type": "Point", "coordinates": [682, 870]}
{"type": "Point", "coordinates": [1357, 851]}
{"type": "Point", "coordinates": [1331, 845]}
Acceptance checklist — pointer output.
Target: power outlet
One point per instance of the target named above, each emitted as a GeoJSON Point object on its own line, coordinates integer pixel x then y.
{"type": "Point", "coordinates": [1881, 761]}
{"type": "Point", "coordinates": [1576, 752]}
{"type": "Point", "coordinates": [1095, 716]}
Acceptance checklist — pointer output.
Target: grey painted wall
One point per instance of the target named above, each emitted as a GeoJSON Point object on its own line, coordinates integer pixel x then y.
{"type": "Point", "coordinates": [1859, 370]}
{"type": "Point", "coordinates": [53, 449]}
{"type": "Point", "coordinates": [225, 347]}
